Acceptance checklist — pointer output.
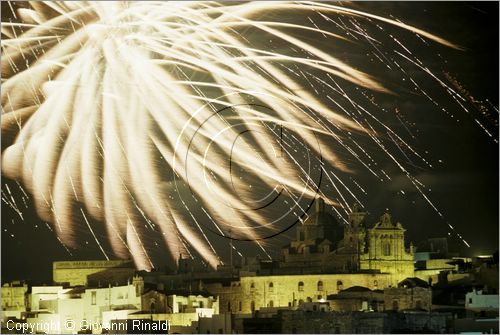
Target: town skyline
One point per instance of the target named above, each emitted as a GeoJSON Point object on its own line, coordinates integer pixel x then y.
{"type": "Point", "coordinates": [366, 280]}
{"type": "Point", "coordinates": [250, 166]}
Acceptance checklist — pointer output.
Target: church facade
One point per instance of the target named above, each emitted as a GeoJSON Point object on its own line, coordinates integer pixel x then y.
{"type": "Point", "coordinates": [323, 259]}
{"type": "Point", "coordinates": [322, 245]}
{"type": "Point", "coordinates": [386, 251]}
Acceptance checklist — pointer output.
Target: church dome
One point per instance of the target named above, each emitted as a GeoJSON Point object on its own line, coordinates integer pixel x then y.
{"type": "Point", "coordinates": [332, 229]}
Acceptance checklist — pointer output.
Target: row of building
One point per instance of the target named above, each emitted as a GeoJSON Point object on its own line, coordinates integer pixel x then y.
{"type": "Point", "coordinates": [80, 308]}
{"type": "Point", "coordinates": [330, 279]}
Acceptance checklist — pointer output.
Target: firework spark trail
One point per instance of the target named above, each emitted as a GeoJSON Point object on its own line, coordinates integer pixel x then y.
{"type": "Point", "coordinates": [93, 234]}
{"type": "Point", "coordinates": [344, 205]}
{"type": "Point", "coordinates": [399, 147]}
{"type": "Point", "coordinates": [456, 96]}
{"type": "Point", "coordinates": [348, 189]}
{"type": "Point", "coordinates": [8, 202]}
{"type": "Point", "coordinates": [416, 184]}
{"type": "Point", "coordinates": [359, 186]}
{"type": "Point", "coordinates": [390, 131]}
{"type": "Point", "coordinates": [339, 215]}
{"type": "Point", "coordinates": [405, 126]}
{"type": "Point", "coordinates": [98, 91]}
{"type": "Point", "coordinates": [339, 140]}
{"type": "Point", "coordinates": [386, 175]}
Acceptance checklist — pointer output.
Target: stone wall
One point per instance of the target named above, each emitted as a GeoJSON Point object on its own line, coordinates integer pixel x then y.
{"type": "Point", "coordinates": [399, 298]}
{"type": "Point", "coordinates": [253, 293]}
{"type": "Point", "coordinates": [76, 273]}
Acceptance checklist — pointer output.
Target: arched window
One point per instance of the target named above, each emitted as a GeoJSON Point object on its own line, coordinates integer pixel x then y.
{"type": "Point", "coordinates": [320, 285]}
{"type": "Point", "coordinates": [271, 303]}
{"type": "Point", "coordinates": [340, 285]}
{"type": "Point", "coordinates": [229, 306]}
{"type": "Point", "coordinates": [301, 286]}
{"type": "Point", "coordinates": [375, 283]}
{"type": "Point", "coordinates": [239, 306]}
{"type": "Point", "coordinates": [395, 305]}
{"type": "Point", "coordinates": [387, 249]}
{"type": "Point", "coordinates": [271, 287]}
{"type": "Point", "coordinates": [252, 285]}
{"type": "Point", "coordinates": [252, 306]}
{"type": "Point", "coordinates": [301, 301]}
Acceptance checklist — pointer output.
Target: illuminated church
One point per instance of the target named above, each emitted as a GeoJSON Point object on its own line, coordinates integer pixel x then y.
{"type": "Point", "coordinates": [323, 259]}
{"type": "Point", "coordinates": [322, 245]}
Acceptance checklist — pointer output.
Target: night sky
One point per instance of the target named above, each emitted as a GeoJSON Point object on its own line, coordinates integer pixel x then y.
{"type": "Point", "coordinates": [462, 182]}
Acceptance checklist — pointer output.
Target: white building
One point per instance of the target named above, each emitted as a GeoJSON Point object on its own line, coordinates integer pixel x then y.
{"type": "Point", "coordinates": [74, 309]}
{"type": "Point", "coordinates": [183, 312]}
{"type": "Point", "coordinates": [70, 310]}
{"type": "Point", "coordinates": [476, 300]}
{"type": "Point", "coordinates": [39, 294]}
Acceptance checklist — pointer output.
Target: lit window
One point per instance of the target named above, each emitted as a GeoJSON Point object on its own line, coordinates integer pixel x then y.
{"type": "Point", "coordinates": [387, 249]}
{"type": "Point", "coordinates": [320, 286]}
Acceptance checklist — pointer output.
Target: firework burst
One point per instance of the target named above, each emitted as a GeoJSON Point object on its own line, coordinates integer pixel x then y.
{"type": "Point", "coordinates": [181, 120]}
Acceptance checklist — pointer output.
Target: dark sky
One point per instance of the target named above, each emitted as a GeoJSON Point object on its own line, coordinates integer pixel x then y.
{"type": "Point", "coordinates": [463, 181]}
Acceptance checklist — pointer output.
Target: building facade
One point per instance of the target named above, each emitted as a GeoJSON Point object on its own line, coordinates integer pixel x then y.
{"type": "Point", "coordinates": [323, 259]}
{"type": "Point", "coordinates": [386, 250]}
{"type": "Point", "coordinates": [252, 293]}
{"type": "Point", "coordinates": [74, 273]}
{"type": "Point", "coordinates": [14, 299]}
{"type": "Point", "coordinates": [323, 246]}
